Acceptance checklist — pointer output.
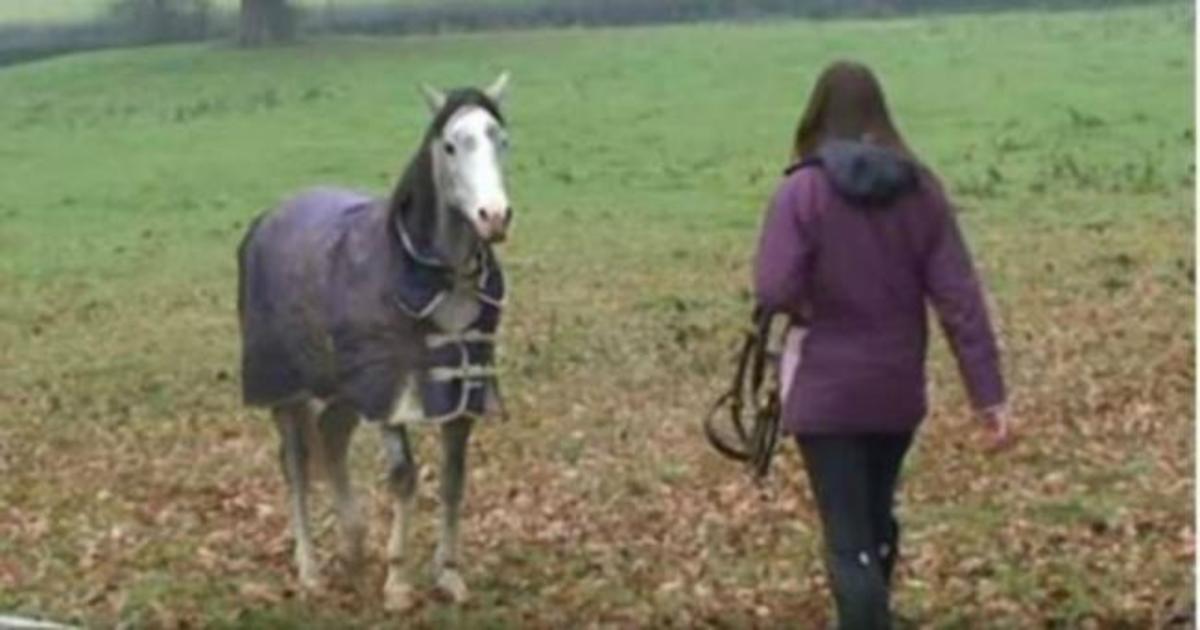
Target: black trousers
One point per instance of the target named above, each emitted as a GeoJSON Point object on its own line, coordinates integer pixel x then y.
{"type": "Point", "coordinates": [854, 480]}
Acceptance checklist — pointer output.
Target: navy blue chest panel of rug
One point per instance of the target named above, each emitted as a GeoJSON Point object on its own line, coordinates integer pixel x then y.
{"type": "Point", "coordinates": [458, 376]}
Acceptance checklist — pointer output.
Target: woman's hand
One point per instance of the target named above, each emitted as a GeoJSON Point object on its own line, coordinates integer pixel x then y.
{"type": "Point", "coordinates": [998, 428]}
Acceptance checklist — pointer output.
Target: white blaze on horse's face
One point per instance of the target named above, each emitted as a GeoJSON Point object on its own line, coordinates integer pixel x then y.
{"type": "Point", "coordinates": [468, 158]}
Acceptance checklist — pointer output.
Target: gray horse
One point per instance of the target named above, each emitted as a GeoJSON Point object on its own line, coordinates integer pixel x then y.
{"type": "Point", "coordinates": [385, 310]}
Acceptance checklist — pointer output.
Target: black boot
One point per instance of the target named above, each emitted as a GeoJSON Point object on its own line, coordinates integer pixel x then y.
{"type": "Point", "coordinates": [889, 556]}
{"type": "Point", "coordinates": [859, 591]}
{"type": "Point", "coordinates": [889, 552]}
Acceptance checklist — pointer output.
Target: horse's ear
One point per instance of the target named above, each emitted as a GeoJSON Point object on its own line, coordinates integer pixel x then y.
{"type": "Point", "coordinates": [499, 88]}
{"type": "Point", "coordinates": [434, 98]}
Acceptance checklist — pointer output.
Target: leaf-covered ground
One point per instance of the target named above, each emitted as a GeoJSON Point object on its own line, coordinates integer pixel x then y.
{"type": "Point", "coordinates": [135, 489]}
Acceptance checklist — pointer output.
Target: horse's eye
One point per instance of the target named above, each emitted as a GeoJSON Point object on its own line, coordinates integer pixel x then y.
{"type": "Point", "coordinates": [449, 146]}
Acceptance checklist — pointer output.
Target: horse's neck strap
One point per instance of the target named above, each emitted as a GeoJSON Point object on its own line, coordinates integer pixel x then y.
{"type": "Point", "coordinates": [475, 262]}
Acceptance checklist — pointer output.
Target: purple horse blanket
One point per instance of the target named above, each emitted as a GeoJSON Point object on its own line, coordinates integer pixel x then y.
{"type": "Point", "coordinates": [337, 301]}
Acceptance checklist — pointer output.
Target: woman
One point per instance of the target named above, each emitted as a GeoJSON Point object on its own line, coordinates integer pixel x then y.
{"type": "Point", "coordinates": [858, 237]}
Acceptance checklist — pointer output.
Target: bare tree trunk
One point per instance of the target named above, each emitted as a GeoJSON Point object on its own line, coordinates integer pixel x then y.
{"type": "Point", "coordinates": [265, 21]}
{"type": "Point", "coordinates": [881, 7]}
{"type": "Point", "coordinates": [160, 21]}
{"type": "Point", "coordinates": [250, 30]}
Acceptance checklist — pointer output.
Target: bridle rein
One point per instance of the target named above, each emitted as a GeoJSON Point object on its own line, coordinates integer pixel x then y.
{"type": "Point", "coordinates": [751, 405]}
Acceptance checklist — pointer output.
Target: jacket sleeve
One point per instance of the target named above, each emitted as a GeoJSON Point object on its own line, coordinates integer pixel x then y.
{"type": "Point", "coordinates": [954, 288]}
{"type": "Point", "coordinates": [785, 246]}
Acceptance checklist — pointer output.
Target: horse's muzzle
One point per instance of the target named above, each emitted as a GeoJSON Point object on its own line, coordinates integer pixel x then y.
{"type": "Point", "coordinates": [493, 226]}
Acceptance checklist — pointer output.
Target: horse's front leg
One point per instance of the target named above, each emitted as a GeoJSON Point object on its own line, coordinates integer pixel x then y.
{"type": "Point", "coordinates": [402, 482]}
{"type": "Point", "coordinates": [455, 435]}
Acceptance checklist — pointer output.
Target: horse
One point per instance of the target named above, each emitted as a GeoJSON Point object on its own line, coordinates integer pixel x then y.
{"type": "Point", "coordinates": [384, 311]}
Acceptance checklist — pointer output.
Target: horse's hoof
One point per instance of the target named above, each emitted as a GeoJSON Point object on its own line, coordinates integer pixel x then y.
{"type": "Point", "coordinates": [450, 584]}
{"type": "Point", "coordinates": [353, 542]}
{"type": "Point", "coordinates": [353, 560]}
{"type": "Point", "coordinates": [352, 575]}
{"type": "Point", "coordinates": [398, 596]}
{"type": "Point", "coordinates": [309, 575]}
{"type": "Point", "coordinates": [310, 581]}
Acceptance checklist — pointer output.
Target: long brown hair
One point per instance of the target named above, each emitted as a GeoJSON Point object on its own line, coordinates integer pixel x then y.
{"type": "Point", "coordinates": [847, 103]}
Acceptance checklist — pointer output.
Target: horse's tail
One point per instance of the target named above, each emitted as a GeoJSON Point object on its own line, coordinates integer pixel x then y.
{"type": "Point", "coordinates": [314, 443]}
{"type": "Point", "coordinates": [241, 260]}
{"type": "Point", "coordinates": [303, 415]}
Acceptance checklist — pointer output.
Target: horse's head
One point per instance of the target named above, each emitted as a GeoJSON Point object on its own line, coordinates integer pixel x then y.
{"type": "Point", "coordinates": [467, 151]}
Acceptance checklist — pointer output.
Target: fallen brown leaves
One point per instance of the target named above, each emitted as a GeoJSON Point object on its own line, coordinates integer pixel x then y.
{"type": "Point", "coordinates": [599, 504]}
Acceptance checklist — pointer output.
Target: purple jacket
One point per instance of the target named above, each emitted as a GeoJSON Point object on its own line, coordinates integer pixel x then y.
{"type": "Point", "coordinates": [855, 241]}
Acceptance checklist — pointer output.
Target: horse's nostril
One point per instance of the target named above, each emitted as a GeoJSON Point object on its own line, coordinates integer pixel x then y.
{"type": "Point", "coordinates": [508, 216]}
{"type": "Point", "coordinates": [482, 214]}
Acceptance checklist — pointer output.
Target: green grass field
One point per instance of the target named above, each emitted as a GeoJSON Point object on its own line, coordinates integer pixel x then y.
{"type": "Point", "coordinates": [135, 488]}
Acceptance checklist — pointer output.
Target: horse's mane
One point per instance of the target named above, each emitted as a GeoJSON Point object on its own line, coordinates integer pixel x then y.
{"type": "Point", "coordinates": [414, 199]}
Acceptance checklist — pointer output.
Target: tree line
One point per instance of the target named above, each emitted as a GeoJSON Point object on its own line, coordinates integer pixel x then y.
{"type": "Point", "coordinates": [263, 22]}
